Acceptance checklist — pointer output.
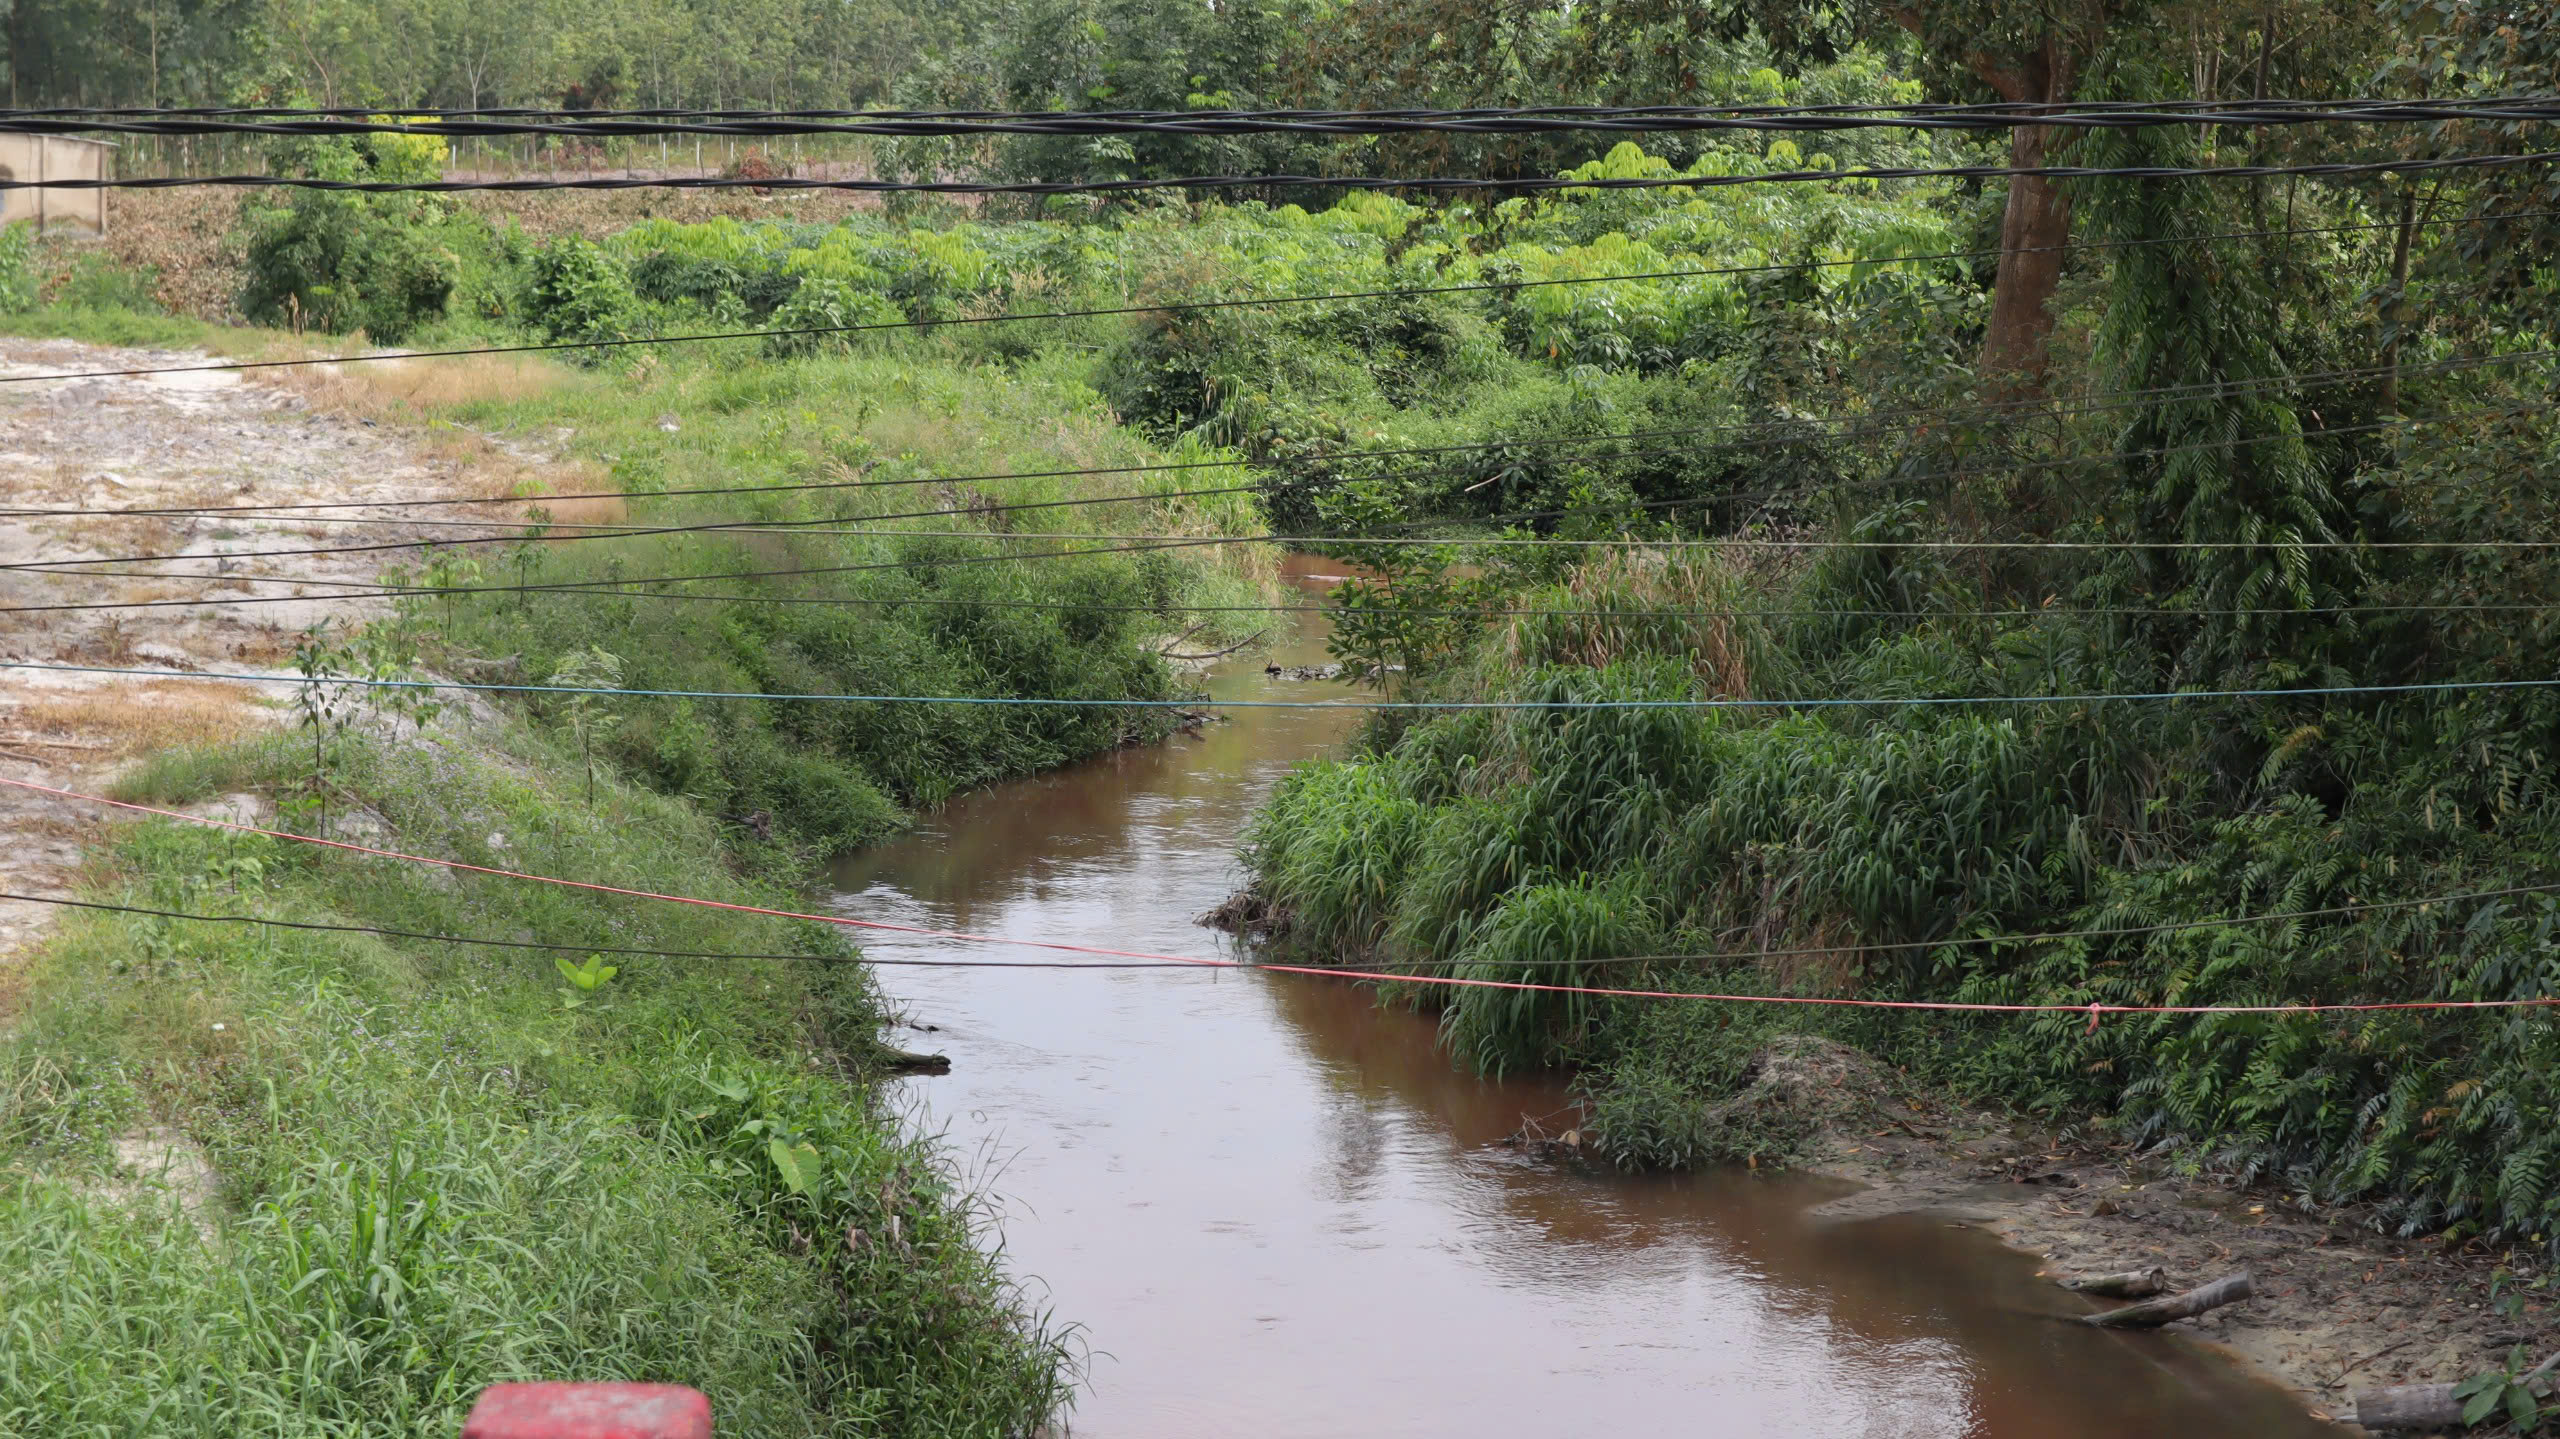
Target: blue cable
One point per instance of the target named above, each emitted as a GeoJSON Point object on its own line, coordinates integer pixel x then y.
{"type": "Point", "coordinates": [1831, 703]}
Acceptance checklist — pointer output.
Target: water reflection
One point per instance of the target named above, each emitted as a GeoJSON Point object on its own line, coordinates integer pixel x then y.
{"type": "Point", "coordinates": [1278, 1211]}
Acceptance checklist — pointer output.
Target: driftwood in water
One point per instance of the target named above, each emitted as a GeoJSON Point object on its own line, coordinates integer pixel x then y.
{"type": "Point", "coordinates": [1244, 912]}
{"type": "Point", "coordinates": [2425, 1406]}
{"type": "Point", "coordinates": [2132, 1284]}
{"type": "Point", "coordinates": [2152, 1313]}
{"type": "Point", "coordinates": [889, 1059]}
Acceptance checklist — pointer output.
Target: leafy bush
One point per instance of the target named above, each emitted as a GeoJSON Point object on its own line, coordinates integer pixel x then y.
{"type": "Point", "coordinates": [17, 267]}
{"type": "Point", "coordinates": [581, 292]}
{"type": "Point", "coordinates": [342, 262]}
{"type": "Point", "coordinates": [821, 304]}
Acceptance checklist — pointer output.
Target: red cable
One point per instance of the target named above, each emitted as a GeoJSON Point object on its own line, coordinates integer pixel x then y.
{"type": "Point", "coordinates": [2093, 1010]}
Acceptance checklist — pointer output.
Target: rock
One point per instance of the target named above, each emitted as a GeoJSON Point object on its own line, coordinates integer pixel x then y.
{"type": "Point", "coordinates": [239, 808]}
{"type": "Point", "coordinates": [358, 826]}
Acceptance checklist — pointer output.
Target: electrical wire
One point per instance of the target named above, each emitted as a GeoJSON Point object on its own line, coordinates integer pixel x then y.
{"type": "Point", "coordinates": [545, 524]}
{"type": "Point", "coordinates": [1202, 703]}
{"type": "Point", "coordinates": [368, 590]}
{"type": "Point", "coordinates": [1251, 301]}
{"type": "Point", "coordinates": [1327, 123]}
{"type": "Point", "coordinates": [2094, 1010]}
{"type": "Point", "coordinates": [387, 932]}
{"type": "Point", "coordinates": [1874, 422]}
{"type": "Point", "coordinates": [1529, 184]}
{"type": "Point", "coordinates": [374, 589]}
{"type": "Point", "coordinates": [2173, 108]}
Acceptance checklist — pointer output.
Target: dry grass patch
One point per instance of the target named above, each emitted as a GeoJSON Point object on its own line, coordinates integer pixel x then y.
{"type": "Point", "coordinates": [182, 237]}
{"type": "Point", "coordinates": [137, 719]}
{"type": "Point", "coordinates": [411, 391]}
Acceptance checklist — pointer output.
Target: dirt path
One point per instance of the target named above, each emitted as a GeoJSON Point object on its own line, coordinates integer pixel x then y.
{"type": "Point", "coordinates": [207, 439]}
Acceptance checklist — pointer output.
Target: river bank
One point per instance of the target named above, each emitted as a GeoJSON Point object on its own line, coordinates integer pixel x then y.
{"type": "Point", "coordinates": [2339, 1306]}
{"type": "Point", "coordinates": [366, 1135]}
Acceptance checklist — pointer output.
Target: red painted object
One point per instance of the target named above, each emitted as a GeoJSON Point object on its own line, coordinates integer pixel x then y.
{"type": "Point", "coordinates": [589, 1411]}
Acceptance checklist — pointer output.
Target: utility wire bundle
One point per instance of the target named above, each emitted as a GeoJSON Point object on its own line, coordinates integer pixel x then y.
{"type": "Point", "coordinates": [914, 124]}
{"type": "Point", "coordinates": [922, 124]}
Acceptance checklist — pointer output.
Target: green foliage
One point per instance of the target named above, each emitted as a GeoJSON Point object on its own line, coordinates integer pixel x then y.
{"type": "Point", "coordinates": [1558, 933]}
{"type": "Point", "coordinates": [824, 304]}
{"type": "Point", "coordinates": [588, 977]}
{"type": "Point", "coordinates": [594, 668]}
{"type": "Point", "coordinates": [823, 774]}
{"type": "Point", "coordinates": [342, 262]}
{"type": "Point", "coordinates": [337, 262]}
{"type": "Point", "coordinates": [2503, 1394]}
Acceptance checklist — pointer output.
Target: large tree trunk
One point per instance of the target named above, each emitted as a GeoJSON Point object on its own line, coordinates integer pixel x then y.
{"type": "Point", "coordinates": [2037, 223]}
{"type": "Point", "coordinates": [2033, 231]}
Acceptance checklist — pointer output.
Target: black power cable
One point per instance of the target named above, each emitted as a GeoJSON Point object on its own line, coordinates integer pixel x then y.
{"type": "Point", "coordinates": [1621, 120]}
{"type": "Point", "coordinates": [1852, 427]}
{"type": "Point", "coordinates": [1527, 184]}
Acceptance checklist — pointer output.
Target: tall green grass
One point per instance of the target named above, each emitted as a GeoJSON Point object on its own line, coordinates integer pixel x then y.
{"type": "Point", "coordinates": [437, 1167]}
{"type": "Point", "coordinates": [1865, 851]}
{"type": "Point", "coordinates": [876, 606]}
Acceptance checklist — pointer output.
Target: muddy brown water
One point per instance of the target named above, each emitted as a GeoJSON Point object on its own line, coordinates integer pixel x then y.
{"type": "Point", "coordinates": [1273, 1208]}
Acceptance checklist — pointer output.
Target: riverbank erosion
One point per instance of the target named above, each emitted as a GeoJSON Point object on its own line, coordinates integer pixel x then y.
{"type": "Point", "coordinates": [2338, 1308]}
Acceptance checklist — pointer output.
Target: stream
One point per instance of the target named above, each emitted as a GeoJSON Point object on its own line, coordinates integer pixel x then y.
{"type": "Point", "coordinates": [1273, 1209]}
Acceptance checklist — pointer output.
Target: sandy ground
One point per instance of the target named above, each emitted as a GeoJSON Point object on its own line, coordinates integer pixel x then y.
{"type": "Point", "coordinates": [207, 439]}
{"type": "Point", "coordinates": [2339, 1306]}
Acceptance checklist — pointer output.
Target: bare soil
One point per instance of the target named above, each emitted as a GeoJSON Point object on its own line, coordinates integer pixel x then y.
{"type": "Point", "coordinates": [188, 440]}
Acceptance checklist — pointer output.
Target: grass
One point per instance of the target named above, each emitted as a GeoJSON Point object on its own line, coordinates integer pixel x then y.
{"type": "Point", "coordinates": [438, 1167]}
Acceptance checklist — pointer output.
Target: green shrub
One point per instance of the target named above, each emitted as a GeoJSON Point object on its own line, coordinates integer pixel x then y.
{"type": "Point", "coordinates": [17, 267]}
{"type": "Point", "coordinates": [581, 292]}
{"type": "Point", "coordinates": [341, 263]}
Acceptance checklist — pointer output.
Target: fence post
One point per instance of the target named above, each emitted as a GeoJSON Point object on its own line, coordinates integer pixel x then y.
{"type": "Point", "coordinates": [589, 1411]}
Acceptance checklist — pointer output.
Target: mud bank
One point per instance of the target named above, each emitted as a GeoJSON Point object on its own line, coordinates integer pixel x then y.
{"type": "Point", "coordinates": [2339, 1306]}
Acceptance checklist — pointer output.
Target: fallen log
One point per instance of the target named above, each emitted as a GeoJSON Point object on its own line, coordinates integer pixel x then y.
{"type": "Point", "coordinates": [2132, 1284]}
{"type": "Point", "coordinates": [2426, 1406]}
{"type": "Point", "coordinates": [889, 1059]}
{"type": "Point", "coordinates": [2408, 1406]}
{"type": "Point", "coordinates": [2152, 1313]}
